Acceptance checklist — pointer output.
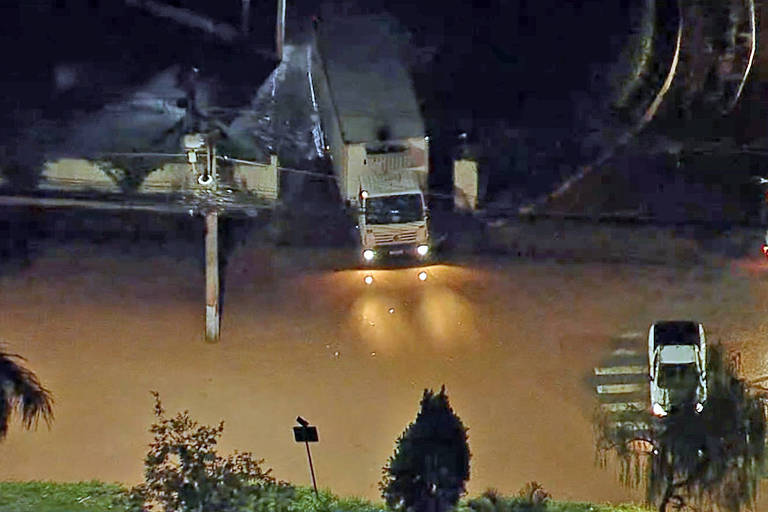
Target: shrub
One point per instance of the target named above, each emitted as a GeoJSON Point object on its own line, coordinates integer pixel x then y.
{"type": "Point", "coordinates": [533, 494]}
{"type": "Point", "coordinates": [183, 472]}
{"type": "Point", "coordinates": [430, 466]}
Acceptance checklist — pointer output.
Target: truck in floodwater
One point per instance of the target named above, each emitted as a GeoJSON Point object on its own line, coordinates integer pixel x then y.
{"type": "Point", "coordinates": [374, 133]}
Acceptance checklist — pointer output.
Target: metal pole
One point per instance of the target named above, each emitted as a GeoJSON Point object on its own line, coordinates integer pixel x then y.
{"type": "Point", "coordinates": [246, 15]}
{"type": "Point", "coordinates": [211, 276]}
{"type": "Point", "coordinates": [280, 29]}
{"type": "Point", "coordinates": [311, 468]}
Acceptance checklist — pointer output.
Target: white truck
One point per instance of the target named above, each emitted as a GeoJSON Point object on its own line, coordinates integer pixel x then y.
{"type": "Point", "coordinates": [373, 129]}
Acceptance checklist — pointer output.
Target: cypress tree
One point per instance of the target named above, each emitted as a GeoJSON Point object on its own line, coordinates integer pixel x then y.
{"type": "Point", "coordinates": [430, 467]}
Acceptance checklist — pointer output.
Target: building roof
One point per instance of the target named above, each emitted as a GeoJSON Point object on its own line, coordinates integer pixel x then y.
{"type": "Point", "coordinates": [370, 85]}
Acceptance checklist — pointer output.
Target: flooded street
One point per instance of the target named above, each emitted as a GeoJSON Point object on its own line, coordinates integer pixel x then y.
{"type": "Point", "coordinates": [514, 342]}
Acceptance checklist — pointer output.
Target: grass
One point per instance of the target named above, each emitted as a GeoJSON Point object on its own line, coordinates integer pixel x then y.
{"type": "Point", "coordinates": [57, 497]}
{"type": "Point", "coordinates": [305, 501]}
{"type": "Point", "coordinates": [518, 505]}
{"type": "Point", "coordinates": [97, 497]}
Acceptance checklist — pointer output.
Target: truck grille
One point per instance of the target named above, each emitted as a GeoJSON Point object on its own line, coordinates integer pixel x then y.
{"type": "Point", "coordinates": [395, 238]}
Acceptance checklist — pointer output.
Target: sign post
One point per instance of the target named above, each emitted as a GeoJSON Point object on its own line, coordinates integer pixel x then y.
{"type": "Point", "coordinates": [306, 434]}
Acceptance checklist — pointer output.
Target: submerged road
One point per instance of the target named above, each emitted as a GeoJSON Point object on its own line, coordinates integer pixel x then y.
{"type": "Point", "coordinates": [514, 341]}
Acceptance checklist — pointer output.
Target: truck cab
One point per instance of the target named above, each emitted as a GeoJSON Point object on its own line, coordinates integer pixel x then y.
{"type": "Point", "coordinates": [392, 217]}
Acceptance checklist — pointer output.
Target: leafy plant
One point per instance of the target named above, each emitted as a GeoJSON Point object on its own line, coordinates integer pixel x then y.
{"type": "Point", "coordinates": [22, 392]}
{"type": "Point", "coordinates": [183, 472]}
{"type": "Point", "coordinates": [533, 494]}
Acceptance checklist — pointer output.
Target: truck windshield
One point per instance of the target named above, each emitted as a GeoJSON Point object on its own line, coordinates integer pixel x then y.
{"type": "Point", "coordinates": [394, 209]}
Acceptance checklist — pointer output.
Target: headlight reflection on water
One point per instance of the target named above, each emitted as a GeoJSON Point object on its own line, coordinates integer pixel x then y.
{"type": "Point", "coordinates": [399, 311]}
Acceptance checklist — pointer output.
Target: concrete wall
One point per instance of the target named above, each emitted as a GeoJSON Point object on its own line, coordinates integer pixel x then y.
{"type": "Point", "coordinates": [465, 184]}
{"type": "Point", "coordinates": [76, 174]}
{"type": "Point", "coordinates": [70, 174]}
{"type": "Point", "coordinates": [260, 180]}
{"type": "Point", "coordinates": [173, 177]}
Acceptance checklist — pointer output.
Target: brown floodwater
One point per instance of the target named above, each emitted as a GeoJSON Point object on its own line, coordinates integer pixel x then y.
{"type": "Point", "coordinates": [513, 341]}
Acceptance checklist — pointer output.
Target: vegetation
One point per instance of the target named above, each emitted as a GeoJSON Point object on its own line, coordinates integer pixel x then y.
{"type": "Point", "coordinates": [710, 460]}
{"type": "Point", "coordinates": [21, 393]}
{"type": "Point", "coordinates": [430, 466]}
{"type": "Point", "coordinates": [184, 473]}
{"type": "Point", "coordinates": [58, 497]}
{"type": "Point", "coordinates": [101, 497]}
{"type": "Point", "coordinates": [496, 503]}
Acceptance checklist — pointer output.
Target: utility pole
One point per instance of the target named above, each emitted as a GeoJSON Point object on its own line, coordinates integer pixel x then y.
{"type": "Point", "coordinates": [212, 314]}
{"type": "Point", "coordinates": [201, 156]}
{"type": "Point", "coordinates": [200, 149]}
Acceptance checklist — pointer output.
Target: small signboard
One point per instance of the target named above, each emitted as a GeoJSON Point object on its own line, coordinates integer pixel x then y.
{"type": "Point", "coordinates": [306, 434]}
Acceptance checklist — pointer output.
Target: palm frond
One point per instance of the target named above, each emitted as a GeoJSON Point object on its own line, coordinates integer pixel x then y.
{"type": "Point", "coordinates": [21, 391]}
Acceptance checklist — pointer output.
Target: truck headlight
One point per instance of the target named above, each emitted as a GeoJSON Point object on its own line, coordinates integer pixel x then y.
{"type": "Point", "coordinates": [658, 410]}
{"type": "Point", "coordinates": [368, 254]}
{"type": "Point", "coordinates": [422, 250]}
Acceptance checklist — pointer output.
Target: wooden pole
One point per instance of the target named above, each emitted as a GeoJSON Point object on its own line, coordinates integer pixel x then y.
{"type": "Point", "coordinates": [212, 320]}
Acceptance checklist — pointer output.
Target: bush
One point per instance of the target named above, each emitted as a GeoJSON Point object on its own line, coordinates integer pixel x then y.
{"type": "Point", "coordinates": [183, 473]}
{"type": "Point", "coordinates": [533, 494]}
{"type": "Point", "coordinates": [430, 466]}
